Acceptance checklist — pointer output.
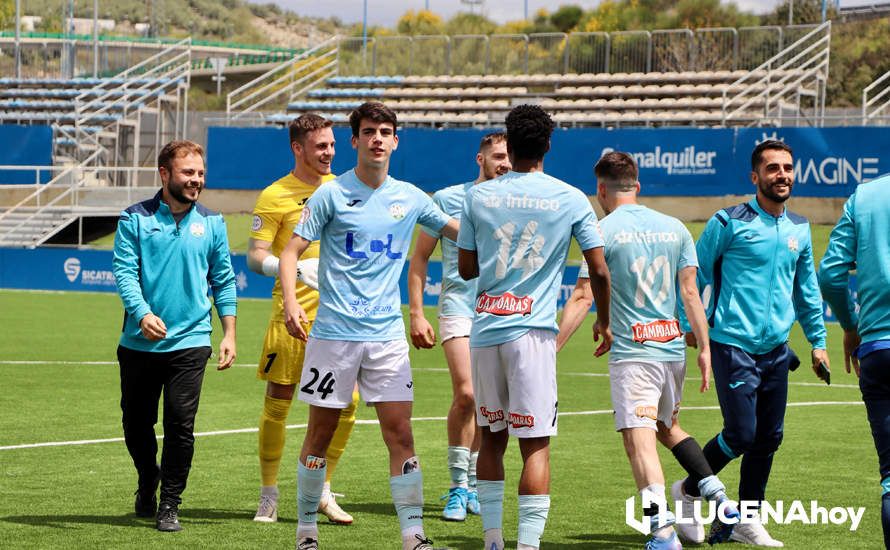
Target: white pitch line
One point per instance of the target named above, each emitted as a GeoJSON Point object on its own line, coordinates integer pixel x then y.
{"type": "Point", "coordinates": [375, 422]}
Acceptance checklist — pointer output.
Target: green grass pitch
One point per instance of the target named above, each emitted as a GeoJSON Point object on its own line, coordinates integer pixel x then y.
{"type": "Point", "coordinates": [60, 384]}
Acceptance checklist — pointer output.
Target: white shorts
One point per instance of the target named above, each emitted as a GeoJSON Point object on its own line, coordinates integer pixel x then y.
{"type": "Point", "coordinates": [332, 368]}
{"type": "Point", "coordinates": [515, 385]}
{"type": "Point", "coordinates": [644, 391]}
{"type": "Point", "coordinates": [454, 327]}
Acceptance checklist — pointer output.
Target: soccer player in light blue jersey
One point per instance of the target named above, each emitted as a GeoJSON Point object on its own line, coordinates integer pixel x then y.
{"type": "Point", "coordinates": [514, 239]}
{"type": "Point", "coordinates": [756, 268]}
{"type": "Point", "coordinates": [861, 241]}
{"type": "Point", "coordinates": [364, 221]}
{"type": "Point", "coordinates": [647, 363]}
{"type": "Point", "coordinates": [455, 319]}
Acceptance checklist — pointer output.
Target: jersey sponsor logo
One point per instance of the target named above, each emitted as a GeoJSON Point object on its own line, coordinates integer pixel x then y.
{"type": "Point", "coordinates": [505, 304]}
{"type": "Point", "coordinates": [376, 246]}
{"type": "Point", "coordinates": [305, 214]}
{"type": "Point", "coordinates": [657, 331]}
{"type": "Point", "coordinates": [397, 211]}
{"type": "Point", "coordinates": [257, 223]}
{"type": "Point", "coordinates": [521, 420]}
{"type": "Point", "coordinates": [197, 229]}
{"type": "Point", "coordinates": [492, 416]}
{"type": "Point", "coordinates": [353, 202]}
{"type": "Point", "coordinates": [646, 237]}
{"type": "Point", "coordinates": [647, 411]}
{"type": "Point", "coordinates": [522, 202]}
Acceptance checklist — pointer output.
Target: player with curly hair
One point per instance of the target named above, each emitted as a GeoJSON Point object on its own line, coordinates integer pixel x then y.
{"type": "Point", "coordinates": [532, 217]}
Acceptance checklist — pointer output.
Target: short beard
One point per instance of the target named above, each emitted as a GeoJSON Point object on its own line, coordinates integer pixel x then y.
{"type": "Point", "coordinates": [767, 191]}
{"type": "Point", "coordinates": [180, 196]}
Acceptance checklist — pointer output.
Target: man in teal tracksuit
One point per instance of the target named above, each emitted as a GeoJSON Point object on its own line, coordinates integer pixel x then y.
{"type": "Point", "coordinates": [756, 275]}
{"type": "Point", "coordinates": [168, 252]}
{"type": "Point", "coordinates": [861, 241]}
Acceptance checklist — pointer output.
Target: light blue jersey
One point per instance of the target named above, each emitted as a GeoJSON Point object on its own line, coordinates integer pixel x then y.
{"type": "Point", "coordinates": [645, 251]}
{"type": "Point", "coordinates": [364, 236]}
{"type": "Point", "coordinates": [457, 296]}
{"type": "Point", "coordinates": [861, 241]}
{"type": "Point", "coordinates": [519, 225]}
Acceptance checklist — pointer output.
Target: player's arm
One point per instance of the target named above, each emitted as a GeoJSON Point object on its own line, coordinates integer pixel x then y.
{"type": "Point", "coordinates": [695, 315]}
{"type": "Point", "coordinates": [467, 264]}
{"type": "Point", "coordinates": [222, 280]}
{"type": "Point", "coordinates": [576, 309]}
{"type": "Point", "coordinates": [834, 280]}
{"type": "Point", "coordinates": [600, 284]}
{"type": "Point", "coordinates": [451, 229]}
{"type": "Point", "coordinates": [808, 304]}
{"type": "Point", "coordinates": [467, 259]}
{"type": "Point", "coordinates": [710, 247]}
{"type": "Point", "coordinates": [422, 333]}
{"type": "Point", "coordinates": [260, 258]}
{"type": "Point", "coordinates": [125, 266]}
{"type": "Point", "coordinates": [294, 316]}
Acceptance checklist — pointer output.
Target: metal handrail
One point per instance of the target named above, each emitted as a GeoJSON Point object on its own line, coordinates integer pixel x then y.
{"type": "Point", "coordinates": [230, 105]}
{"type": "Point", "coordinates": [327, 69]}
{"type": "Point", "coordinates": [866, 102]}
{"type": "Point", "coordinates": [764, 72]}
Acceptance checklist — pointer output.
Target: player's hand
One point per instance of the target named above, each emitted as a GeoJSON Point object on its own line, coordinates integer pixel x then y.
{"type": "Point", "coordinates": [604, 332]}
{"type": "Point", "coordinates": [226, 353]}
{"type": "Point", "coordinates": [153, 328]}
{"type": "Point", "coordinates": [295, 319]}
{"type": "Point", "coordinates": [704, 365]}
{"type": "Point", "coordinates": [851, 342]}
{"type": "Point", "coordinates": [820, 356]}
{"type": "Point", "coordinates": [690, 340]}
{"type": "Point", "coordinates": [422, 333]}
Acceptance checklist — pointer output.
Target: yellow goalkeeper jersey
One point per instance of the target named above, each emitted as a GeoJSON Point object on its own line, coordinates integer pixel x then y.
{"type": "Point", "coordinates": [275, 214]}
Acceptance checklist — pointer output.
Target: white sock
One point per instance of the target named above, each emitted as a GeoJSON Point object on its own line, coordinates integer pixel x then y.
{"type": "Point", "coordinates": [269, 491]}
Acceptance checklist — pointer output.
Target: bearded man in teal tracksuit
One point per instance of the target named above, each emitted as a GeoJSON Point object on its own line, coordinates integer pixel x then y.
{"type": "Point", "coordinates": [168, 252]}
{"type": "Point", "coordinates": [757, 276]}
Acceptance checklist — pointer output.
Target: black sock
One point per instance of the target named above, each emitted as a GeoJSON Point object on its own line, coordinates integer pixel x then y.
{"type": "Point", "coordinates": [690, 456]}
{"type": "Point", "coordinates": [717, 460]}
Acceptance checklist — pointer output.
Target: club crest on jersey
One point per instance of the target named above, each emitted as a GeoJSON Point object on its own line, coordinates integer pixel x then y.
{"type": "Point", "coordinates": [656, 331]}
{"type": "Point", "coordinates": [521, 420]}
{"type": "Point", "coordinates": [397, 211]}
{"type": "Point", "coordinates": [505, 304]}
{"type": "Point", "coordinates": [492, 416]}
{"type": "Point", "coordinates": [197, 229]}
{"type": "Point", "coordinates": [792, 244]}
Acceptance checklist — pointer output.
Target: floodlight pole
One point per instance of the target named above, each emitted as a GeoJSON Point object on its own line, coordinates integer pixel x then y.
{"type": "Point", "coordinates": [18, 38]}
{"type": "Point", "coordinates": [790, 12]}
{"type": "Point", "coordinates": [365, 26]}
{"type": "Point", "coordinates": [526, 9]}
{"type": "Point", "coordinates": [95, 38]}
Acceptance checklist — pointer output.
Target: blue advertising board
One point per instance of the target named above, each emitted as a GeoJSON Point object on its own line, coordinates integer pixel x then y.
{"type": "Point", "coordinates": [90, 270]}
{"type": "Point", "coordinates": [829, 162]}
{"type": "Point", "coordinates": [25, 146]}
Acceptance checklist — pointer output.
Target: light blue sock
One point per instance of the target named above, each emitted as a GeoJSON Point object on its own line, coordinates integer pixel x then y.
{"type": "Point", "coordinates": [533, 510]}
{"type": "Point", "coordinates": [471, 470]}
{"type": "Point", "coordinates": [458, 463]}
{"type": "Point", "coordinates": [407, 496]}
{"type": "Point", "coordinates": [712, 488]}
{"type": "Point", "coordinates": [491, 500]}
{"type": "Point", "coordinates": [310, 482]}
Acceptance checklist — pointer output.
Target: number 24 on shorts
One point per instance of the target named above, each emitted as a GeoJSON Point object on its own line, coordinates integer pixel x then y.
{"type": "Point", "coordinates": [325, 387]}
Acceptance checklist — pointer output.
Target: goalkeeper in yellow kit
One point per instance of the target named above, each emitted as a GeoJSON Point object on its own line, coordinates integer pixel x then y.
{"type": "Point", "coordinates": [277, 211]}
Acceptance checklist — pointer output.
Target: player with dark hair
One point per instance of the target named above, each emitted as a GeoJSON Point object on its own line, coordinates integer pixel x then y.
{"type": "Point", "coordinates": [455, 320]}
{"type": "Point", "coordinates": [364, 221]}
{"type": "Point", "coordinates": [861, 241]}
{"type": "Point", "coordinates": [532, 218]}
{"type": "Point", "coordinates": [277, 211]}
{"type": "Point", "coordinates": [756, 276]}
{"type": "Point", "coordinates": [647, 362]}
{"type": "Point", "coordinates": [165, 341]}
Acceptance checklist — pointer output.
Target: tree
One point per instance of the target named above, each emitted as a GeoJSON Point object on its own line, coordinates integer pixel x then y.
{"type": "Point", "coordinates": [7, 14]}
{"type": "Point", "coordinates": [420, 22]}
{"type": "Point", "coordinates": [469, 23]}
{"type": "Point", "coordinates": [566, 18]}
